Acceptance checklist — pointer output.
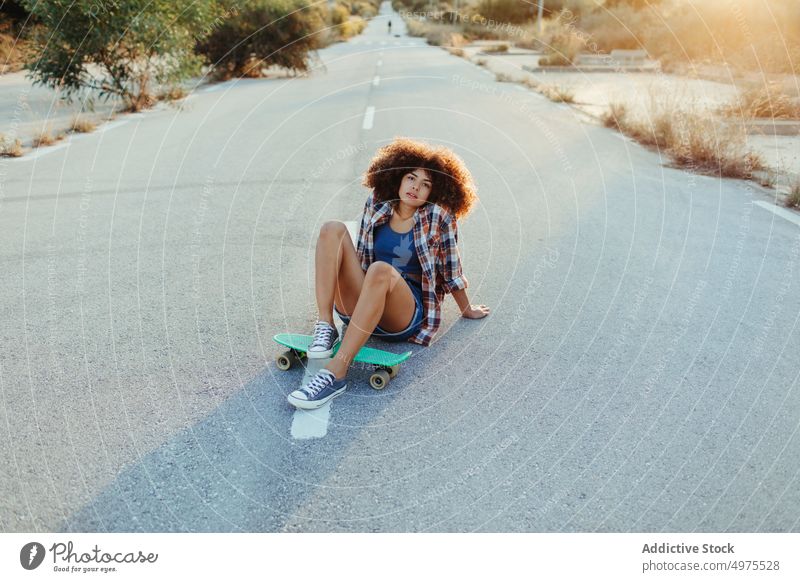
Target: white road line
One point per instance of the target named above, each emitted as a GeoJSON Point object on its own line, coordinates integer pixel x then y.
{"type": "Point", "coordinates": [383, 43]}
{"type": "Point", "coordinates": [112, 125]}
{"type": "Point", "coordinates": [313, 424]}
{"type": "Point", "coordinates": [42, 151]}
{"type": "Point", "coordinates": [624, 137]}
{"type": "Point", "coordinates": [782, 212]}
{"type": "Point", "coordinates": [380, 63]}
{"type": "Point", "coordinates": [376, 81]}
{"type": "Point", "coordinates": [369, 116]}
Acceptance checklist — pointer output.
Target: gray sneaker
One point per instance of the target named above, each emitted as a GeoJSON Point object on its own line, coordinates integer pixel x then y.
{"type": "Point", "coordinates": [325, 339]}
{"type": "Point", "coordinates": [321, 388]}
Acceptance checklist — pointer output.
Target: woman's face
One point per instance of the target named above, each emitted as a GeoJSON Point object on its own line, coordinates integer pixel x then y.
{"type": "Point", "coordinates": [415, 187]}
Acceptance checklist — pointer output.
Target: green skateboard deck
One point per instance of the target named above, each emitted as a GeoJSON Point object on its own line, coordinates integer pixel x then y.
{"type": "Point", "coordinates": [387, 364]}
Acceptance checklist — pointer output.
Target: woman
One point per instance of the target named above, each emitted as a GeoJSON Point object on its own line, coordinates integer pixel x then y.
{"type": "Point", "coordinates": [392, 283]}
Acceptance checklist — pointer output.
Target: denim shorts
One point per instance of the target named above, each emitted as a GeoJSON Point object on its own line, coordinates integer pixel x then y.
{"type": "Point", "coordinates": [413, 327]}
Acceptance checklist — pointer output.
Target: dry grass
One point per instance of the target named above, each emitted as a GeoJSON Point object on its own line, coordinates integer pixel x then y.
{"type": "Point", "coordinates": [793, 198]}
{"type": "Point", "coordinates": [12, 49]}
{"type": "Point", "coordinates": [498, 48]}
{"type": "Point", "coordinates": [437, 34]}
{"type": "Point", "coordinates": [82, 125]}
{"type": "Point", "coordinates": [10, 149]}
{"type": "Point", "coordinates": [46, 138]}
{"type": "Point", "coordinates": [764, 101]}
{"type": "Point", "coordinates": [557, 94]}
{"type": "Point", "coordinates": [352, 27]}
{"type": "Point", "coordinates": [172, 94]}
{"type": "Point", "coordinates": [615, 116]}
{"type": "Point", "coordinates": [530, 83]}
{"type": "Point", "coordinates": [692, 141]}
{"type": "Point", "coordinates": [456, 51]}
{"type": "Point", "coordinates": [503, 78]}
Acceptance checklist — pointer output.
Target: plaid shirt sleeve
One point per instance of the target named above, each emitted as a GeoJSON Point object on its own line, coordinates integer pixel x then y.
{"type": "Point", "coordinates": [362, 231]}
{"type": "Point", "coordinates": [450, 258]}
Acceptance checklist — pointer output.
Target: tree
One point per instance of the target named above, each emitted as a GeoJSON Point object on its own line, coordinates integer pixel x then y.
{"type": "Point", "coordinates": [260, 33]}
{"type": "Point", "coordinates": [118, 47]}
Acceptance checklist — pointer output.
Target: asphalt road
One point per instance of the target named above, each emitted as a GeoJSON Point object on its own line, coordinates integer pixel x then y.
{"type": "Point", "coordinates": [639, 370]}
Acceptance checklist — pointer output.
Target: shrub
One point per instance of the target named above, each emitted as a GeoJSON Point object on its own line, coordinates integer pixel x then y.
{"type": "Point", "coordinates": [339, 14]}
{"type": "Point", "coordinates": [505, 10]}
{"type": "Point", "coordinates": [352, 27]}
{"type": "Point", "coordinates": [498, 48]}
{"type": "Point", "coordinates": [557, 93]}
{"type": "Point", "coordinates": [262, 33]}
{"type": "Point", "coordinates": [763, 101]}
{"type": "Point", "coordinates": [46, 138]}
{"type": "Point", "coordinates": [364, 9]}
{"type": "Point", "coordinates": [562, 43]}
{"type": "Point", "coordinates": [81, 124]}
{"type": "Point", "coordinates": [691, 139]}
{"type": "Point", "coordinates": [133, 44]}
{"type": "Point", "coordinates": [793, 198]}
{"type": "Point", "coordinates": [10, 149]}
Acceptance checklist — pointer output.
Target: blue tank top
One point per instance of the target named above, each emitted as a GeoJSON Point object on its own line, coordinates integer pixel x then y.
{"type": "Point", "coordinates": [396, 248]}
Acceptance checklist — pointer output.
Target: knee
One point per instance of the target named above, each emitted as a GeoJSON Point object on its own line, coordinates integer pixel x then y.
{"type": "Point", "coordinates": [379, 273]}
{"type": "Point", "coordinates": [333, 228]}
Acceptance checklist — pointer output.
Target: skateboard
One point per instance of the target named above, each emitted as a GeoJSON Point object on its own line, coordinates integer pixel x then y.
{"type": "Point", "coordinates": [386, 364]}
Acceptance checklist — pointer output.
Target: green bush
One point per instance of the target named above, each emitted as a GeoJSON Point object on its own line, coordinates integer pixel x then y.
{"type": "Point", "coordinates": [119, 48]}
{"type": "Point", "coordinates": [263, 33]}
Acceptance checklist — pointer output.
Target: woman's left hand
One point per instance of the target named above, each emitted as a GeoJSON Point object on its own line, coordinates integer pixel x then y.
{"type": "Point", "coordinates": [475, 312]}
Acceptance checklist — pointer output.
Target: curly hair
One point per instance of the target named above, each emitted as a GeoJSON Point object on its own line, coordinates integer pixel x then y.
{"type": "Point", "coordinates": [452, 186]}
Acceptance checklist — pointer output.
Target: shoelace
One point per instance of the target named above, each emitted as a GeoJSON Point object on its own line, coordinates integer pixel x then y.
{"type": "Point", "coordinates": [317, 384]}
{"type": "Point", "coordinates": [322, 335]}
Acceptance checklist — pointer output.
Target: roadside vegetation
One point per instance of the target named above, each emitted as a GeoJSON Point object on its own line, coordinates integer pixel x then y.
{"type": "Point", "coordinates": [10, 148]}
{"type": "Point", "coordinates": [793, 198]}
{"type": "Point", "coordinates": [692, 140]}
{"type": "Point", "coordinates": [141, 51]}
{"type": "Point", "coordinates": [759, 35]}
{"type": "Point", "coordinates": [763, 101]}
{"type": "Point", "coordinates": [12, 45]}
{"type": "Point", "coordinates": [752, 42]}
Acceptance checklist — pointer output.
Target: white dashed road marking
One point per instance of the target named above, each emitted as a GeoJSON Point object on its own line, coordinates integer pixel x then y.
{"type": "Point", "coordinates": [376, 81]}
{"type": "Point", "coordinates": [369, 116]}
{"type": "Point", "coordinates": [313, 424]}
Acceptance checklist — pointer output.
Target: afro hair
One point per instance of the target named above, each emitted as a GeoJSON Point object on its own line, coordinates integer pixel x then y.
{"type": "Point", "coordinates": [452, 186]}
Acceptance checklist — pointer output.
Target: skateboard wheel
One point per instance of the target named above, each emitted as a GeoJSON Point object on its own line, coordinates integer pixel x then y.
{"type": "Point", "coordinates": [379, 379]}
{"type": "Point", "coordinates": [285, 360]}
{"type": "Point", "coordinates": [393, 371]}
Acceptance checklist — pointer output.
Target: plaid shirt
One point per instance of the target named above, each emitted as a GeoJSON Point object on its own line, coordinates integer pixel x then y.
{"type": "Point", "coordinates": [436, 243]}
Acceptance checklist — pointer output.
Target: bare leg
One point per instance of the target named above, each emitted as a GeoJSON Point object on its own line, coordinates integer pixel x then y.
{"type": "Point", "coordinates": [385, 299]}
{"type": "Point", "coordinates": [337, 270]}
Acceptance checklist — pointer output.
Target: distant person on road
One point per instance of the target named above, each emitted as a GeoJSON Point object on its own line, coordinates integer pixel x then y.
{"type": "Point", "coordinates": [391, 284]}
{"type": "Point", "coordinates": [390, 27]}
